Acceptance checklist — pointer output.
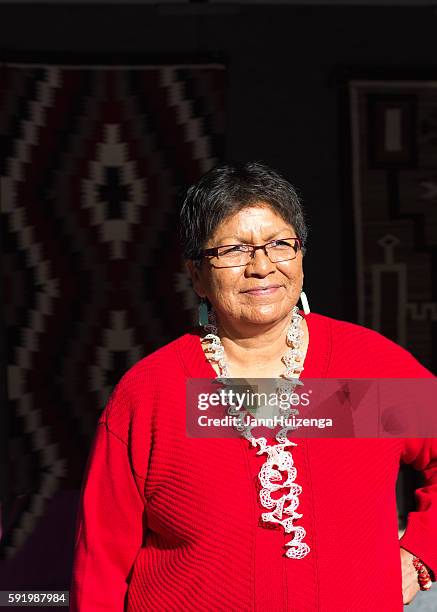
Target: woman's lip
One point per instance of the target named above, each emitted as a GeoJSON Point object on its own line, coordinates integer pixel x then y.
{"type": "Point", "coordinates": [266, 291]}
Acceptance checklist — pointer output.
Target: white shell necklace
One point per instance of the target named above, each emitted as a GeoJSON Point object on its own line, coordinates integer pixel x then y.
{"type": "Point", "coordinates": [279, 458]}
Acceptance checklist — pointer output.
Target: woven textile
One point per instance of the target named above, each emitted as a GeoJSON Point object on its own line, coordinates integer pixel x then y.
{"type": "Point", "coordinates": [94, 162]}
{"type": "Point", "coordinates": [394, 150]}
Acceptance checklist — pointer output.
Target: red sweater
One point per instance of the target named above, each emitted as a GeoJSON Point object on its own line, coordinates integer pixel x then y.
{"type": "Point", "coordinates": [168, 522]}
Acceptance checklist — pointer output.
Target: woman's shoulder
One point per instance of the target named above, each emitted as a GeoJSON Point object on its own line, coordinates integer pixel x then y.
{"type": "Point", "coordinates": [163, 362]}
{"type": "Point", "coordinates": [141, 384]}
{"type": "Point", "coordinates": [348, 333]}
{"type": "Point", "coordinates": [366, 350]}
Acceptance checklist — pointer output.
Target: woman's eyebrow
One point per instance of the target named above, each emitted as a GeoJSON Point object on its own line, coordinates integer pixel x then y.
{"type": "Point", "coordinates": [238, 239]}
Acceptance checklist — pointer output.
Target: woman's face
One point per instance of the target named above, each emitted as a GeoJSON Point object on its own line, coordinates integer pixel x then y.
{"type": "Point", "coordinates": [260, 292]}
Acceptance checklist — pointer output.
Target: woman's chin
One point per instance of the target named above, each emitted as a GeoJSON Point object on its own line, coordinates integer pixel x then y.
{"type": "Point", "coordinates": [264, 315]}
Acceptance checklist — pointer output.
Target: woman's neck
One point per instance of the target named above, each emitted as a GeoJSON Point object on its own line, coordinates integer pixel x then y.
{"type": "Point", "coordinates": [259, 352]}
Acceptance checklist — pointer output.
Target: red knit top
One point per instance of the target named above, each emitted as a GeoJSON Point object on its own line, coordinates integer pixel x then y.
{"type": "Point", "coordinates": [168, 522]}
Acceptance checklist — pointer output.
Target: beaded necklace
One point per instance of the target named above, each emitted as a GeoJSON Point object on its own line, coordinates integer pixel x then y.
{"type": "Point", "coordinates": [278, 456]}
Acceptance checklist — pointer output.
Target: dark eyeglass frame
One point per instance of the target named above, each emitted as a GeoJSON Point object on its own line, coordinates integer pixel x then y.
{"type": "Point", "coordinates": [213, 251]}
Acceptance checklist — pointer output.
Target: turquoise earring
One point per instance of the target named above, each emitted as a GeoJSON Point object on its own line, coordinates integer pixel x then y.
{"type": "Point", "coordinates": [203, 313]}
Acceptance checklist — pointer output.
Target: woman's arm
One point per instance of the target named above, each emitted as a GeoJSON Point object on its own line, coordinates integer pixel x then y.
{"type": "Point", "coordinates": [420, 537]}
{"type": "Point", "coordinates": [111, 518]}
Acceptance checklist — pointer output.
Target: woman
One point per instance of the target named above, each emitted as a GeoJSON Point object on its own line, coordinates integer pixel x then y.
{"type": "Point", "coordinates": [172, 522]}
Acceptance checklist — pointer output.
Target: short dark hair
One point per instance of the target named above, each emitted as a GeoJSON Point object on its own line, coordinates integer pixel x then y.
{"type": "Point", "coordinates": [225, 190]}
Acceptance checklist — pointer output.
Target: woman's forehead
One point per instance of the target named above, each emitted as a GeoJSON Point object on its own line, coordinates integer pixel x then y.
{"type": "Point", "coordinates": [260, 221]}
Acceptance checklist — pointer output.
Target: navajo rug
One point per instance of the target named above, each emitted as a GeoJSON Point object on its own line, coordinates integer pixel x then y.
{"type": "Point", "coordinates": [394, 151]}
{"type": "Point", "coordinates": [94, 162]}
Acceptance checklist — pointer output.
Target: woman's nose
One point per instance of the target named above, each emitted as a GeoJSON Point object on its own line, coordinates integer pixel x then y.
{"type": "Point", "coordinates": [260, 263]}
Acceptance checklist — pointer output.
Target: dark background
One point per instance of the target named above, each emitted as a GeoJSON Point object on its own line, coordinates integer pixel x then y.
{"type": "Point", "coordinates": [286, 104]}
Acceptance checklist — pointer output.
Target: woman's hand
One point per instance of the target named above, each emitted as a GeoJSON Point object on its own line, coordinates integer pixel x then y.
{"type": "Point", "coordinates": [410, 584]}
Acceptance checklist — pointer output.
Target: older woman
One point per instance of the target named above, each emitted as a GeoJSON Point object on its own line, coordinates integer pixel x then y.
{"type": "Point", "coordinates": [170, 522]}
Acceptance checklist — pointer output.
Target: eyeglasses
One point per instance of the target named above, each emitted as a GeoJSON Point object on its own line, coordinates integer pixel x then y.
{"type": "Point", "coordinates": [233, 255]}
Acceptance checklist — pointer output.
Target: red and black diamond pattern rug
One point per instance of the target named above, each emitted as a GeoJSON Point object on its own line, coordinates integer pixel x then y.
{"type": "Point", "coordinates": [95, 161]}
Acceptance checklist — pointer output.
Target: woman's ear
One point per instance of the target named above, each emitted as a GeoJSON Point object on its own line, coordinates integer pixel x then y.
{"type": "Point", "coordinates": [193, 269]}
